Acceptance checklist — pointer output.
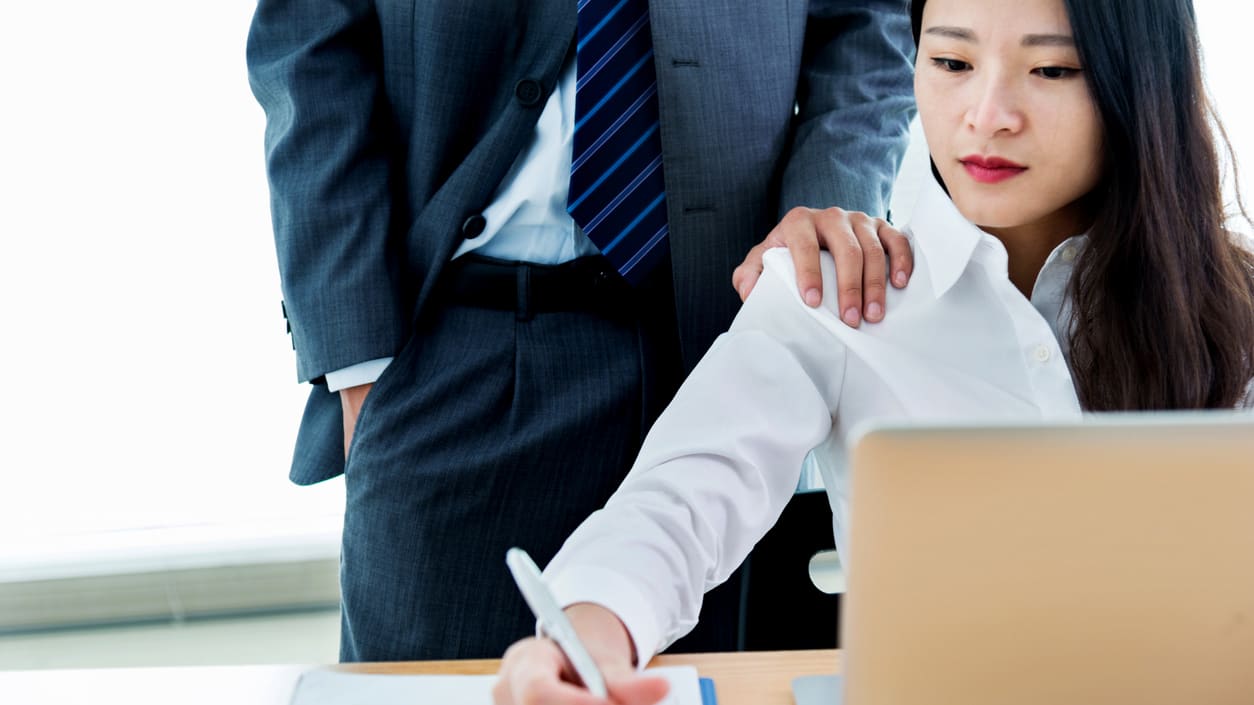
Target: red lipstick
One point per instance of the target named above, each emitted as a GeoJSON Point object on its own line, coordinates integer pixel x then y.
{"type": "Point", "coordinates": [991, 170]}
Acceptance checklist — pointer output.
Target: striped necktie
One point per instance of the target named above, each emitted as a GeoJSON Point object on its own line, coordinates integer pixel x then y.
{"type": "Point", "coordinates": [616, 190]}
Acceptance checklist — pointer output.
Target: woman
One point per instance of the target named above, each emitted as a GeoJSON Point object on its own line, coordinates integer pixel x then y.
{"type": "Point", "coordinates": [1071, 255]}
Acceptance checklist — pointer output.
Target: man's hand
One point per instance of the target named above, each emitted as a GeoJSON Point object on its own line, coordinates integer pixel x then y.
{"type": "Point", "coordinates": [535, 671]}
{"type": "Point", "coordinates": [351, 399]}
{"type": "Point", "coordinates": [862, 246]}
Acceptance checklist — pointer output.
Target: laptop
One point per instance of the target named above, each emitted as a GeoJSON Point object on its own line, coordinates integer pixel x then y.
{"type": "Point", "coordinates": [1109, 561]}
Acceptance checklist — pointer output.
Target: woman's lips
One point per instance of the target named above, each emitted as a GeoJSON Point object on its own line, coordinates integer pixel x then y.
{"type": "Point", "coordinates": [991, 170]}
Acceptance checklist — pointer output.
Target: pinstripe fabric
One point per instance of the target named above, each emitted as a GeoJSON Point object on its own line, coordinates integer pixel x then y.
{"type": "Point", "coordinates": [378, 152]}
{"type": "Point", "coordinates": [477, 438]}
{"type": "Point", "coordinates": [617, 193]}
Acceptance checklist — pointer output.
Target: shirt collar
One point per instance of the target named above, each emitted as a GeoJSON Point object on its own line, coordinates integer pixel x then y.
{"type": "Point", "coordinates": [946, 239]}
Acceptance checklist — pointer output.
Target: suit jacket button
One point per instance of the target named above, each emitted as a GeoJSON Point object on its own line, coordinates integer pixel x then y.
{"type": "Point", "coordinates": [528, 92]}
{"type": "Point", "coordinates": [473, 227]}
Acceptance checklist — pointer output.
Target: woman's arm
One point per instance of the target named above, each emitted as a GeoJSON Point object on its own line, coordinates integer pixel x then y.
{"type": "Point", "coordinates": [715, 472]}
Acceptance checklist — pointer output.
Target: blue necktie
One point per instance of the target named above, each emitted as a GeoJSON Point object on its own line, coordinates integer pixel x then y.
{"type": "Point", "coordinates": [616, 190]}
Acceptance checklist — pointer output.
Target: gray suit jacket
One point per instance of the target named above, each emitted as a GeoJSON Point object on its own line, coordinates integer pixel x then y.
{"type": "Point", "coordinates": [390, 122]}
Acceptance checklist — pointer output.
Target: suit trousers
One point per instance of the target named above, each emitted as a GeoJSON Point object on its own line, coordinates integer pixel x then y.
{"type": "Point", "coordinates": [495, 428]}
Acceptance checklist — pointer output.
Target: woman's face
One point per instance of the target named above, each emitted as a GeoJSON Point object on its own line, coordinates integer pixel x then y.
{"type": "Point", "coordinates": [1008, 117]}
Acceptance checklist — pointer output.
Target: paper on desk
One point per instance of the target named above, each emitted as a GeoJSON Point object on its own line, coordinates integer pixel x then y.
{"type": "Point", "coordinates": [817, 690]}
{"type": "Point", "coordinates": [326, 687]}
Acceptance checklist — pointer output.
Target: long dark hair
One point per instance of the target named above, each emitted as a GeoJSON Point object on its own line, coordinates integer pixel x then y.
{"type": "Point", "coordinates": [1163, 295]}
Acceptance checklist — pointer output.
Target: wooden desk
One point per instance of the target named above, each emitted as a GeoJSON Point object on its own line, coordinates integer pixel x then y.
{"type": "Point", "coordinates": [754, 678]}
{"type": "Point", "coordinates": [751, 678]}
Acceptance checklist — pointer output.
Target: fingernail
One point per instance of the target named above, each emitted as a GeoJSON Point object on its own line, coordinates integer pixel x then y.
{"type": "Point", "coordinates": [899, 278]}
{"type": "Point", "coordinates": [814, 297]}
{"type": "Point", "coordinates": [743, 291]}
{"type": "Point", "coordinates": [851, 316]}
{"type": "Point", "coordinates": [874, 311]}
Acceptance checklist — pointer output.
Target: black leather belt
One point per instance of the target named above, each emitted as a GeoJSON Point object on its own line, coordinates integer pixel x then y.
{"type": "Point", "coordinates": [585, 284]}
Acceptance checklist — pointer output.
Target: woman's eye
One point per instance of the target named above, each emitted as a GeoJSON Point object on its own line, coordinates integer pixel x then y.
{"type": "Point", "coordinates": [1054, 73]}
{"type": "Point", "coordinates": [952, 65]}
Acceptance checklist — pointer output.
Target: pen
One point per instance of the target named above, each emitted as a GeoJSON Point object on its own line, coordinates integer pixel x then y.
{"type": "Point", "coordinates": [552, 619]}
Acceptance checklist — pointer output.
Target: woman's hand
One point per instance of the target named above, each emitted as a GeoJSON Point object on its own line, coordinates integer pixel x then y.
{"type": "Point", "coordinates": [862, 246]}
{"type": "Point", "coordinates": [536, 672]}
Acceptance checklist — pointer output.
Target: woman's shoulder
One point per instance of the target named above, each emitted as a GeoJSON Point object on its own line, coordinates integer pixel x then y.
{"type": "Point", "coordinates": [779, 270]}
{"type": "Point", "coordinates": [779, 263]}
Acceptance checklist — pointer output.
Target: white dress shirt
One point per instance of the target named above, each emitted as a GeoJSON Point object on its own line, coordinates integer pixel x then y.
{"type": "Point", "coordinates": [527, 219]}
{"type": "Point", "coordinates": [960, 342]}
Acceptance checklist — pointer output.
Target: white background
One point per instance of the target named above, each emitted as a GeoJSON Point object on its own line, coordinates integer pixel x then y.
{"type": "Point", "coordinates": [149, 384]}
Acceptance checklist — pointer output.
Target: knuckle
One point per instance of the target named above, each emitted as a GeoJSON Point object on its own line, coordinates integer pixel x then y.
{"type": "Point", "coordinates": [848, 251]}
{"type": "Point", "coordinates": [843, 234]}
{"type": "Point", "coordinates": [833, 218]}
{"type": "Point", "coordinates": [873, 247]}
{"type": "Point", "coordinates": [808, 244]}
{"type": "Point", "coordinates": [899, 242]}
{"type": "Point", "coordinates": [796, 240]}
{"type": "Point", "coordinates": [796, 215]}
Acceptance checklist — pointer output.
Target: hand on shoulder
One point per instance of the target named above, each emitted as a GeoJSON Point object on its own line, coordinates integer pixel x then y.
{"type": "Point", "coordinates": [865, 250]}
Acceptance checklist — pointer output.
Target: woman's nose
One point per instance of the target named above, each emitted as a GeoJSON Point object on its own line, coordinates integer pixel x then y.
{"type": "Point", "coordinates": [995, 108]}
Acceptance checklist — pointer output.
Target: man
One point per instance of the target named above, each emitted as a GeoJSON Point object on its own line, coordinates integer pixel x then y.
{"type": "Point", "coordinates": [505, 230]}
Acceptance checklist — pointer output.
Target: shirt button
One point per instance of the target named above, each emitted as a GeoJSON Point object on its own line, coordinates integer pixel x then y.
{"type": "Point", "coordinates": [1041, 353]}
{"type": "Point", "coordinates": [1068, 253]}
{"type": "Point", "coordinates": [528, 92]}
{"type": "Point", "coordinates": [473, 226]}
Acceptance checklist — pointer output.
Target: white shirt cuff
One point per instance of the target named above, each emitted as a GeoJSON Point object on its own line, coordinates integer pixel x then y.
{"type": "Point", "coordinates": [356, 375]}
{"type": "Point", "coordinates": [616, 593]}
